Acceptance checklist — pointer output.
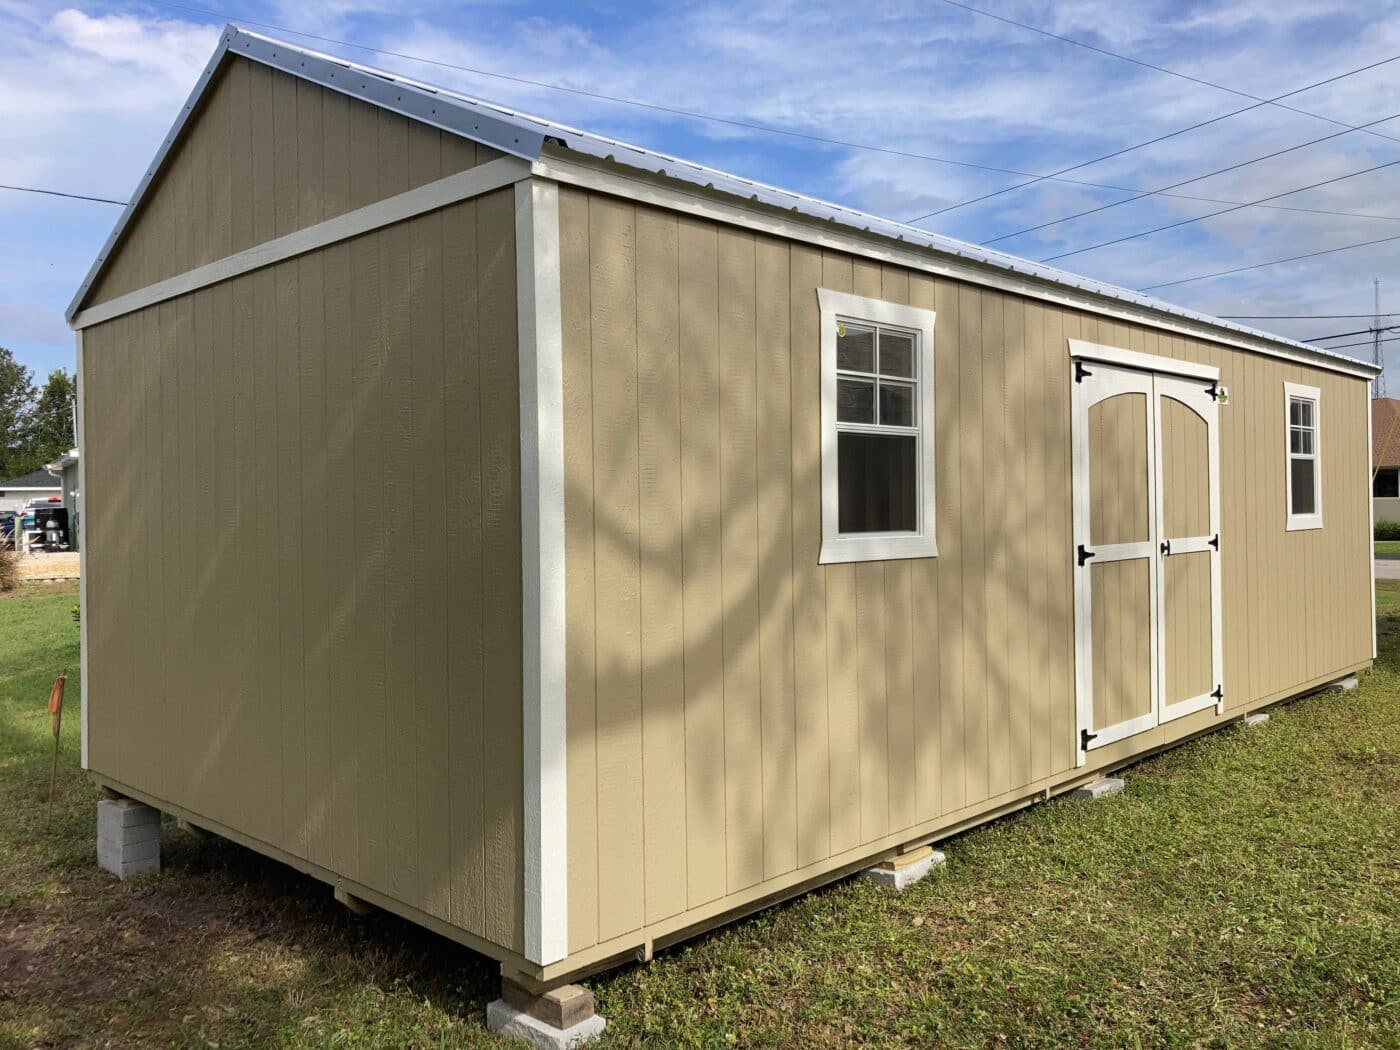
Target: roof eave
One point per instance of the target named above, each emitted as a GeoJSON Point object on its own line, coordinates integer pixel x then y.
{"type": "Point", "coordinates": [1162, 313]}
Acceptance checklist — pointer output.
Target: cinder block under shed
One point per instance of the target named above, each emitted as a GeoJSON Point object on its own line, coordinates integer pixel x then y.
{"type": "Point", "coordinates": [552, 1020]}
{"type": "Point", "coordinates": [1097, 789]}
{"type": "Point", "coordinates": [128, 837]}
{"type": "Point", "coordinates": [901, 872]}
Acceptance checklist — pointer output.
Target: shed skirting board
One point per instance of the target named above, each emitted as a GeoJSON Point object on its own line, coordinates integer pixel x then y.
{"type": "Point", "coordinates": [694, 921]}
{"type": "Point", "coordinates": [380, 900]}
{"type": "Point", "coordinates": [542, 570]}
{"type": "Point", "coordinates": [464, 185]}
{"type": "Point", "coordinates": [653, 192]}
{"type": "Point", "coordinates": [697, 920]}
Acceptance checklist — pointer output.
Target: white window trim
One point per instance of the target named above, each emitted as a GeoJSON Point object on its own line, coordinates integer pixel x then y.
{"type": "Point", "coordinates": [879, 546]}
{"type": "Point", "coordinates": [1300, 522]}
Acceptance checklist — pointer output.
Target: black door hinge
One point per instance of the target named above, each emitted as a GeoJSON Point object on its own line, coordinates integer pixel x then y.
{"type": "Point", "coordinates": [1219, 694]}
{"type": "Point", "coordinates": [1214, 391]}
{"type": "Point", "coordinates": [1214, 541]}
{"type": "Point", "coordinates": [1166, 547]}
{"type": "Point", "coordinates": [1084, 555]}
{"type": "Point", "coordinates": [1084, 737]}
{"type": "Point", "coordinates": [1080, 372]}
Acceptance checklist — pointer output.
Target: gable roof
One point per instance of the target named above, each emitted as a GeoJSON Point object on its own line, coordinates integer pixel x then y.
{"type": "Point", "coordinates": [532, 138]}
{"type": "Point", "coordinates": [35, 479]}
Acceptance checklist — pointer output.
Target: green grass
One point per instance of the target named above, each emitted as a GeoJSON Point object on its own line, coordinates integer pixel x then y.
{"type": "Point", "coordinates": [1388, 547]}
{"type": "Point", "coordinates": [1243, 890]}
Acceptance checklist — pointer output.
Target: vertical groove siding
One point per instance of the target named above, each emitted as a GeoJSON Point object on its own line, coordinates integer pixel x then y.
{"type": "Point", "coordinates": [739, 714]}
{"type": "Point", "coordinates": [265, 156]}
{"type": "Point", "coordinates": [304, 593]}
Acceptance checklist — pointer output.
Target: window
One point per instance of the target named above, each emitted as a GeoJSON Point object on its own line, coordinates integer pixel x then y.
{"type": "Point", "coordinates": [1386, 483]}
{"type": "Point", "coordinates": [1304, 478]}
{"type": "Point", "coordinates": [877, 429]}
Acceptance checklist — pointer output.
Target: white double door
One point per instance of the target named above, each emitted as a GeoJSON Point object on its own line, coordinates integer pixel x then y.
{"type": "Point", "coordinates": [1147, 550]}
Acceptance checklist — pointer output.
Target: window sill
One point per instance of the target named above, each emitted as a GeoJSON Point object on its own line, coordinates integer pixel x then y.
{"type": "Point", "coordinates": [848, 549]}
{"type": "Point", "coordinates": [1303, 522]}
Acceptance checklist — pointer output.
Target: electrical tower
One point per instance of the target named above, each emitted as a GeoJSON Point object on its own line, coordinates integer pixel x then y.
{"type": "Point", "coordinates": [1378, 389]}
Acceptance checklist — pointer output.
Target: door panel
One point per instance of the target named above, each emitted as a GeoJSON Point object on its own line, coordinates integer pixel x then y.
{"type": "Point", "coordinates": [1116, 606]}
{"type": "Point", "coordinates": [1185, 471]}
{"type": "Point", "coordinates": [1188, 501]}
{"type": "Point", "coordinates": [1120, 471]}
{"type": "Point", "coordinates": [1186, 627]}
{"type": "Point", "coordinates": [1122, 643]}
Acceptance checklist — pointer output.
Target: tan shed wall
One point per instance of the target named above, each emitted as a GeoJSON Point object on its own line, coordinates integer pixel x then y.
{"type": "Point", "coordinates": [304, 553]}
{"type": "Point", "coordinates": [742, 719]}
{"type": "Point", "coordinates": [269, 154]}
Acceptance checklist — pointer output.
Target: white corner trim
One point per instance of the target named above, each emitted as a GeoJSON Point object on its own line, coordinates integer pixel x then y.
{"type": "Point", "coordinates": [1113, 355]}
{"type": "Point", "coordinates": [80, 504]}
{"type": "Point", "coordinates": [836, 306]}
{"type": "Point", "coordinates": [1302, 522]}
{"type": "Point", "coordinates": [1371, 523]}
{"type": "Point", "coordinates": [484, 178]}
{"type": "Point", "coordinates": [542, 570]}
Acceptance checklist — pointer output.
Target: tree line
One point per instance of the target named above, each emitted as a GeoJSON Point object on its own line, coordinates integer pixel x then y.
{"type": "Point", "coordinates": [36, 423]}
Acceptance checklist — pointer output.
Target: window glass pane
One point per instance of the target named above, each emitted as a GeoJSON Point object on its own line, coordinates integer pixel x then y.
{"type": "Point", "coordinates": [855, 401]}
{"type": "Point", "coordinates": [1306, 411]}
{"type": "Point", "coordinates": [896, 403]}
{"type": "Point", "coordinates": [1304, 499]}
{"type": "Point", "coordinates": [877, 481]}
{"type": "Point", "coordinates": [896, 354]}
{"type": "Point", "coordinates": [1295, 412]}
{"type": "Point", "coordinates": [855, 348]}
{"type": "Point", "coordinates": [1300, 441]}
{"type": "Point", "coordinates": [1387, 483]}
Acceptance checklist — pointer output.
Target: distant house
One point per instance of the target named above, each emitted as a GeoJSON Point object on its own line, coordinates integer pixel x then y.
{"type": "Point", "coordinates": [17, 492]}
{"type": "Point", "coordinates": [65, 468]}
{"type": "Point", "coordinates": [1385, 457]}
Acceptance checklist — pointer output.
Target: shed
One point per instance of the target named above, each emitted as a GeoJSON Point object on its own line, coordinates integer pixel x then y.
{"type": "Point", "coordinates": [750, 540]}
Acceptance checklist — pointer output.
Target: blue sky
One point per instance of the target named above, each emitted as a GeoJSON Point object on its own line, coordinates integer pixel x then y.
{"type": "Point", "coordinates": [88, 90]}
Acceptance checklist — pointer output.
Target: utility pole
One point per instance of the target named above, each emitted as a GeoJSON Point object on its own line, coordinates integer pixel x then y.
{"type": "Point", "coordinates": [1379, 388]}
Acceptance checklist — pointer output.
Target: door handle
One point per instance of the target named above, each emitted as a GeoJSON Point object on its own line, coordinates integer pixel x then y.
{"type": "Point", "coordinates": [1166, 547]}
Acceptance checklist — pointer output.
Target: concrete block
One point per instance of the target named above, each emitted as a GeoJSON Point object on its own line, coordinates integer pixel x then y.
{"type": "Point", "coordinates": [357, 907]}
{"type": "Point", "coordinates": [515, 1023]}
{"type": "Point", "coordinates": [1097, 789]}
{"type": "Point", "coordinates": [1259, 718]}
{"type": "Point", "coordinates": [903, 871]}
{"type": "Point", "coordinates": [1346, 685]}
{"type": "Point", "coordinates": [128, 837]}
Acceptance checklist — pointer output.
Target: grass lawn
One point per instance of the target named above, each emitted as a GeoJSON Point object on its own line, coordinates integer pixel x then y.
{"type": "Point", "coordinates": [1388, 547]}
{"type": "Point", "coordinates": [1244, 889]}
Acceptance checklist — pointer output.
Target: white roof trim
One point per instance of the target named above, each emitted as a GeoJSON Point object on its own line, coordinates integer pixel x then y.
{"type": "Point", "coordinates": [525, 136]}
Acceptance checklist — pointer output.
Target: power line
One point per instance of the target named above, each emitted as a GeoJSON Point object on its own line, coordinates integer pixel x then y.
{"type": "Point", "coordinates": [1152, 141]}
{"type": "Point", "coordinates": [1184, 182]}
{"type": "Point", "coordinates": [60, 193]}
{"type": "Point", "coordinates": [1271, 262]}
{"type": "Point", "coordinates": [1222, 211]}
{"type": "Point", "coordinates": [767, 129]}
{"type": "Point", "coordinates": [1339, 335]}
{"type": "Point", "coordinates": [1162, 69]}
{"type": "Point", "coordinates": [1363, 342]}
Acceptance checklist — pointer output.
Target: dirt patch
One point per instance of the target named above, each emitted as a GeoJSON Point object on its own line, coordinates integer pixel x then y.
{"type": "Point", "coordinates": [62, 565]}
